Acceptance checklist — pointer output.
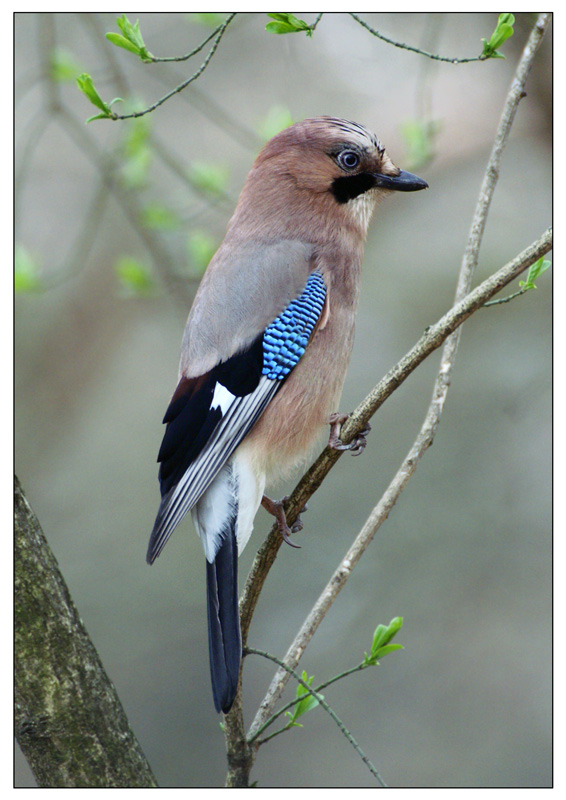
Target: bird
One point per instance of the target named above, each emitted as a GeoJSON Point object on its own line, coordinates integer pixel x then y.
{"type": "Point", "coordinates": [265, 351]}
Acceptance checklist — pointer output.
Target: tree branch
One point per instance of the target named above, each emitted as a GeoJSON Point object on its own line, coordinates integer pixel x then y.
{"type": "Point", "coordinates": [69, 720]}
{"type": "Point", "coordinates": [514, 97]}
{"type": "Point", "coordinates": [432, 339]}
{"type": "Point", "coordinates": [130, 204]}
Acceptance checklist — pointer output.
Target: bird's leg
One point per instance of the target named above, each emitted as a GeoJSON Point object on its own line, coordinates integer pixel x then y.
{"type": "Point", "coordinates": [275, 507]}
{"type": "Point", "coordinates": [357, 444]}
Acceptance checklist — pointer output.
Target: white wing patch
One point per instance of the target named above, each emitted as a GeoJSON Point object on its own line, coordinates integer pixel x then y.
{"type": "Point", "coordinates": [222, 398]}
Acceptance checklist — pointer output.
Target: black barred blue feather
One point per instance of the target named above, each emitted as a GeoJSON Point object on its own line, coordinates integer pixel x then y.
{"type": "Point", "coordinates": [285, 340]}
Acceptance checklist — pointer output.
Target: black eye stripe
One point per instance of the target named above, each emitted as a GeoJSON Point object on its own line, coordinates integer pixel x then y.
{"type": "Point", "coordinates": [348, 187]}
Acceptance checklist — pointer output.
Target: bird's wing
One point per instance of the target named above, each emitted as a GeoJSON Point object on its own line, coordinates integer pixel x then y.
{"type": "Point", "coordinates": [245, 287]}
{"type": "Point", "coordinates": [210, 414]}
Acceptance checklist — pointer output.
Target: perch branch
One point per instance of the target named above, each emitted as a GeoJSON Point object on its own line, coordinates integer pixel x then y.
{"type": "Point", "coordinates": [430, 341]}
{"type": "Point", "coordinates": [450, 324]}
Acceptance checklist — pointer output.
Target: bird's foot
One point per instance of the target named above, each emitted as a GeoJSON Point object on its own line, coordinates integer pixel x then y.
{"type": "Point", "coordinates": [358, 443]}
{"type": "Point", "coordinates": [275, 507]}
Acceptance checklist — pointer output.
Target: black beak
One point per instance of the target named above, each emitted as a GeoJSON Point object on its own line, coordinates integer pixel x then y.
{"type": "Point", "coordinates": [403, 182]}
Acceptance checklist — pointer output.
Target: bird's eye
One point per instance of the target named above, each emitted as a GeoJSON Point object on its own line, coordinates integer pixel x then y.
{"type": "Point", "coordinates": [348, 159]}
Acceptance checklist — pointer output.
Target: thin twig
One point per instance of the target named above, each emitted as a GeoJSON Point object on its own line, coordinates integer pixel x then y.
{"type": "Point", "coordinates": [34, 131]}
{"type": "Point", "coordinates": [315, 23]}
{"type": "Point", "coordinates": [507, 299]}
{"type": "Point", "coordinates": [291, 703]}
{"type": "Point", "coordinates": [158, 60]}
{"type": "Point", "coordinates": [162, 150]}
{"type": "Point", "coordinates": [461, 311]}
{"type": "Point", "coordinates": [514, 96]}
{"type": "Point", "coordinates": [84, 241]}
{"type": "Point", "coordinates": [325, 706]}
{"type": "Point", "coordinates": [182, 173]}
{"type": "Point", "coordinates": [184, 84]}
{"type": "Point", "coordinates": [412, 49]}
{"type": "Point", "coordinates": [219, 116]}
{"type": "Point", "coordinates": [107, 167]}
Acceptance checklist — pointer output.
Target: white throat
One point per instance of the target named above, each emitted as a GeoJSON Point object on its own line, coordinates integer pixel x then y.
{"type": "Point", "coordinates": [361, 208]}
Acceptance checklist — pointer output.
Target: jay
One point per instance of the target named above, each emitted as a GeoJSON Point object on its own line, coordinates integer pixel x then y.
{"type": "Point", "coordinates": [265, 350]}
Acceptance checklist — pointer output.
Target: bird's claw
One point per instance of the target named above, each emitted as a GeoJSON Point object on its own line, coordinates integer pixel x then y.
{"type": "Point", "coordinates": [356, 446]}
{"type": "Point", "coordinates": [286, 534]}
{"type": "Point", "coordinates": [298, 524]}
{"type": "Point", "coordinates": [275, 507]}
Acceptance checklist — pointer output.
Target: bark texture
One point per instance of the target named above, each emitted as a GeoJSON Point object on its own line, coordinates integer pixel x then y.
{"type": "Point", "coordinates": [69, 721]}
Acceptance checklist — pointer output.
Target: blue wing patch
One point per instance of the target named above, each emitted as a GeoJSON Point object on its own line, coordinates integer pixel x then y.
{"type": "Point", "coordinates": [285, 340]}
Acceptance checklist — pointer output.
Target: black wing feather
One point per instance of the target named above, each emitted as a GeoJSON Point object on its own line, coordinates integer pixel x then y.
{"type": "Point", "coordinates": [190, 419]}
{"type": "Point", "coordinates": [195, 433]}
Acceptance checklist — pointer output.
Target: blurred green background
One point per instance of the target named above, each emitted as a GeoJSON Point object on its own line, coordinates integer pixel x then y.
{"type": "Point", "coordinates": [108, 271]}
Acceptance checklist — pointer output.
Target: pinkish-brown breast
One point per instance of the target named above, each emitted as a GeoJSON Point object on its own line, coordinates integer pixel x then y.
{"type": "Point", "coordinates": [289, 428]}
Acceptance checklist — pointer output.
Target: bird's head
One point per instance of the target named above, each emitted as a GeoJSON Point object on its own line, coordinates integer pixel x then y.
{"type": "Point", "coordinates": [326, 166]}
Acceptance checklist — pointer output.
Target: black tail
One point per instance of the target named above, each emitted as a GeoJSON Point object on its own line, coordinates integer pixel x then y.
{"type": "Point", "coordinates": [224, 639]}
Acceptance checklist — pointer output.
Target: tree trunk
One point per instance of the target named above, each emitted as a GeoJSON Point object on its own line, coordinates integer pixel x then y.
{"type": "Point", "coordinates": [69, 720]}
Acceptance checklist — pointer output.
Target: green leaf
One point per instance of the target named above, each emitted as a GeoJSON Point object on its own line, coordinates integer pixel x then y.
{"type": "Point", "coordinates": [131, 38]}
{"type": "Point", "coordinates": [131, 32]}
{"type": "Point", "coordinates": [26, 272]}
{"type": "Point", "coordinates": [535, 270]}
{"type": "Point", "coordinates": [279, 27]}
{"type": "Point", "coordinates": [389, 648]}
{"type": "Point", "coordinates": [159, 217]}
{"type": "Point", "coordinates": [86, 85]}
{"type": "Point", "coordinates": [206, 18]}
{"type": "Point", "coordinates": [121, 41]}
{"type": "Point", "coordinates": [62, 66]}
{"type": "Point", "coordinates": [135, 277]}
{"type": "Point", "coordinates": [287, 23]}
{"type": "Point", "coordinates": [134, 171]}
{"type": "Point", "coordinates": [97, 116]}
{"type": "Point", "coordinates": [277, 119]}
{"type": "Point", "coordinates": [137, 152]}
{"type": "Point", "coordinates": [382, 636]}
{"type": "Point", "coordinates": [137, 134]}
{"type": "Point", "coordinates": [502, 32]}
{"type": "Point", "coordinates": [306, 702]}
{"type": "Point", "coordinates": [210, 178]}
{"type": "Point", "coordinates": [201, 247]}
{"type": "Point", "coordinates": [419, 141]}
